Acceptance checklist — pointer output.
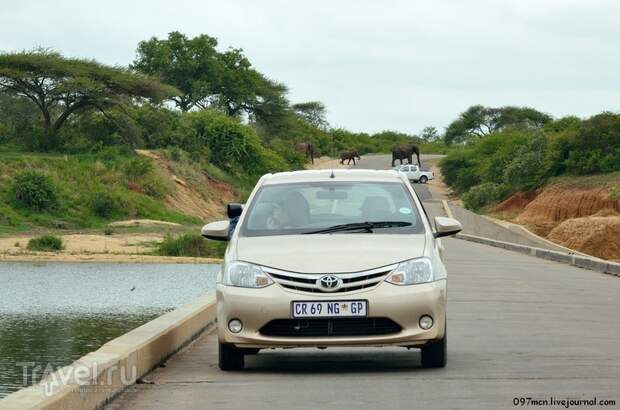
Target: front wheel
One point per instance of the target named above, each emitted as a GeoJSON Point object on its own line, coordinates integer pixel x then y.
{"type": "Point", "coordinates": [230, 357]}
{"type": "Point", "coordinates": [423, 179]}
{"type": "Point", "coordinates": [435, 355]}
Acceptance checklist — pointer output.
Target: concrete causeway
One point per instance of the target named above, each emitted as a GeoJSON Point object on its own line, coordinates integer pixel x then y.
{"type": "Point", "coordinates": [518, 327]}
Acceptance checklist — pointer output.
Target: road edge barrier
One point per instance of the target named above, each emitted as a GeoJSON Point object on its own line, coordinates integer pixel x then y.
{"type": "Point", "coordinates": [586, 262]}
{"type": "Point", "coordinates": [575, 259]}
{"type": "Point", "coordinates": [95, 379]}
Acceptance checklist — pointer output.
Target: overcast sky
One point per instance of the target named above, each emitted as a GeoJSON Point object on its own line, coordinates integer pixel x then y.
{"type": "Point", "coordinates": [376, 65]}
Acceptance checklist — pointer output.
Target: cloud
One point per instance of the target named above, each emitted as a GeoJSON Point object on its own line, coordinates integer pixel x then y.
{"type": "Point", "coordinates": [375, 64]}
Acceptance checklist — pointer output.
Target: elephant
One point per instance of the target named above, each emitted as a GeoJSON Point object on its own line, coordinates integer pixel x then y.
{"type": "Point", "coordinates": [349, 155]}
{"type": "Point", "coordinates": [402, 151]}
{"type": "Point", "coordinates": [308, 150]}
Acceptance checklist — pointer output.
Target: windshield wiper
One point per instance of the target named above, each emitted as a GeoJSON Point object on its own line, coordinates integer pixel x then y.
{"type": "Point", "coordinates": [368, 226]}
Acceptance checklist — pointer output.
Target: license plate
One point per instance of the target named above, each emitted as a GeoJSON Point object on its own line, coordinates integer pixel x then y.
{"type": "Point", "coordinates": [341, 308]}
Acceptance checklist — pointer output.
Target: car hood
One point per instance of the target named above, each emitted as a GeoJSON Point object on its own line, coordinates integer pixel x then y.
{"type": "Point", "coordinates": [329, 253]}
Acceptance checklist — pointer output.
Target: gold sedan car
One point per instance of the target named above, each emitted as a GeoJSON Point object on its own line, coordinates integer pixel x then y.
{"type": "Point", "coordinates": [331, 258]}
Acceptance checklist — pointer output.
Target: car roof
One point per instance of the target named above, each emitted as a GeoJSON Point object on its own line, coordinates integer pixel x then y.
{"type": "Point", "coordinates": [360, 175]}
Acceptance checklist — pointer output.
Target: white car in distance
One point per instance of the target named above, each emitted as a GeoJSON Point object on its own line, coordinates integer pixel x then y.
{"type": "Point", "coordinates": [414, 173]}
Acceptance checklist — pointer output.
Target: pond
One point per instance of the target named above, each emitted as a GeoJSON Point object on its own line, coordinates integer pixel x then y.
{"type": "Point", "coordinates": [53, 313]}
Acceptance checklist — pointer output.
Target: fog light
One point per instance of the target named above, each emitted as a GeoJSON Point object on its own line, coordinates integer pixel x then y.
{"type": "Point", "coordinates": [426, 322]}
{"type": "Point", "coordinates": [235, 325]}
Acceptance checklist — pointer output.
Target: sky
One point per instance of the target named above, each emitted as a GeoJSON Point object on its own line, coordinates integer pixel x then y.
{"type": "Point", "coordinates": [375, 64]}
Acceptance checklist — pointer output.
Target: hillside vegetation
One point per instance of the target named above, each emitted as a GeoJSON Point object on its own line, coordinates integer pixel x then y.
{"type": "Point", "coordinates": [559, 177]}
{"type": "Point", "coordinates": [183, 129]}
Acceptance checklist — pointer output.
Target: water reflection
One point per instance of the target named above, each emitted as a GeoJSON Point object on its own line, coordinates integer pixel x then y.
{"type": "Point", "coordinates": [52, 314]}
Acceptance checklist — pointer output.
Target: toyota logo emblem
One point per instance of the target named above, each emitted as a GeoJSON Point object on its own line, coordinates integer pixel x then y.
{"type": "Point", "coordinates": [329, 283]}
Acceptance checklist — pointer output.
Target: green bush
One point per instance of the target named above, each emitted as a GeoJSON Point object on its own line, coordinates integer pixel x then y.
{"type": "Point", "coordinates": [46, 243]}
{"type": "Point", "coordinates": [526, 170]}
{"type": "Point", "coordinates": [35, 191]}
{"type": "Point", "coordinates": [191, 244]}
{"type": "Point", "coordinates": [457, 170]}
{"type": "Point", "coordinates": [104, 205]}
{"type": "Point", "coordinates": [231, 145]}
{"type": "Point", "coordinates": [138, 168]}
{"type": "Point", "coordinates": [155, 186]}
{"type": "Point", "coordinates": [482, 195]}
{"type": "Point", "coordinates": [595, 146]}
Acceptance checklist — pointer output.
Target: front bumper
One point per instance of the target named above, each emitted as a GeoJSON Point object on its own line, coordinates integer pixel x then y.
{"type": "Point", "coordinates": [402, 304]}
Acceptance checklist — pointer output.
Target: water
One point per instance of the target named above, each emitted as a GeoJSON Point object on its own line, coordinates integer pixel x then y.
{"type": "Point", "coordinates": [53, 313]}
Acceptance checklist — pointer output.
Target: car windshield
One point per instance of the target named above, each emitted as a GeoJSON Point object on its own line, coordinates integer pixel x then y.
{"type": "Point", "coordinates": [299, 208]}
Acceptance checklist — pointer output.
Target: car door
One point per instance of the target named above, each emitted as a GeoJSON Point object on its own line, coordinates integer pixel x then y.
{"type": "Point", "coordinates": [407, 171]}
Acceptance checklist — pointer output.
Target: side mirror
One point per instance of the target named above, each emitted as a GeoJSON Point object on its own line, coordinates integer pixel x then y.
{"type": "Point", "coordinates": [446, 226]}
{"type": "Point", "coordinates": [217, 231]}
{"type": "Point", "coordinates": [233, 210]}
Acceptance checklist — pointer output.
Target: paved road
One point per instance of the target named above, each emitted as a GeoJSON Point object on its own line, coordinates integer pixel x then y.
{"type": "Point", "coordinates": [385, 162]}
{"type": "Point", "coordinates": [518, 327]}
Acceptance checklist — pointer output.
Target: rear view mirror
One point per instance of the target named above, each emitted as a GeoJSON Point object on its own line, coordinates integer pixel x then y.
{"type": "Point", "coordinates": [233, 210]}
{"type": "Point", "coordinates": [217, 231]}
{"type": "Point", "coordinates": [446, 226]}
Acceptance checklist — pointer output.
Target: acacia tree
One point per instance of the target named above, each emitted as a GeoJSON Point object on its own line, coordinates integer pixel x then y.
{"type": "Point", "coordinates": [314, 112]}
{"type": "Point", "coordinates": [191, 65]}
{"type": "Point", "coordinates": [208, 78]}
{"type": "Point", "coordinates": [429, 134]}
{"type": "Point", "coordinates": [61, 87]}
{"type": "Point", "coordinates": [478, 121]}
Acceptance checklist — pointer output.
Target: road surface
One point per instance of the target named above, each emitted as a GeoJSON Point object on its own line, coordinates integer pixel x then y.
{"type": "Point", "coordinates": [519, 327]}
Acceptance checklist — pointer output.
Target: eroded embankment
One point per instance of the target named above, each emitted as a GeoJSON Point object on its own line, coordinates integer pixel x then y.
{"type": "Point", "coordinates": [576, 215]}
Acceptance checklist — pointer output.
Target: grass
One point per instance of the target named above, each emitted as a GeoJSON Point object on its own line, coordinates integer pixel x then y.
{"type": "Point", "coordinates": [46, 243]}
{"type": "Point", "coordinates": [190, 244]}
{"type": "Point", "coordinates": [78, 179]}
{"type": "Point", "coordinates": [611, 181]}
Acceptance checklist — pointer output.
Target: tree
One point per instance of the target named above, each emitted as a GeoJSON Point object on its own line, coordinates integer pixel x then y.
{"type": "Point", "coordinates": [429, 134]}
{"type": "Point", "coordinates": [208, 78]}
{"type": "Point", "coordinates": [313, 112]}
{"type": "Point", "coordinates": [61, 87]}
{"type": "Point", "coordinates": [479, 121]}
{"type": "Point", "coordinates": [192, 65]}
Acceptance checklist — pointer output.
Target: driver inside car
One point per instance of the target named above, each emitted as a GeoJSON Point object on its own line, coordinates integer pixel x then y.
{"type": "Point", "coordinates": [291, 212]}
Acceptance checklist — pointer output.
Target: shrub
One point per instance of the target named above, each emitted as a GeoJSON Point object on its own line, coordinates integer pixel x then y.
{"type": "Point", "coordinates": [35, 191]}
{"type": "Point", "coordinates": [155, 186]}
{"type": "Point", "coordinates": [175, 154]}
{"type": "Point", "coordinates": [138, 168]}
{"type": "Point", "coordinates": [231, 145]}
{"type": "Point", "coordinates": [104, 205]}
{"type": "Point", "coordinates": [191, 244]}
{"type": "Point", "coordinates": [48, 243]}
{"type": "Point", "coordinates": [108, 231]}
{"type": "Point", "coordinates": [527, 168]}
{"type": "Point", "coordinates": [482, 195]}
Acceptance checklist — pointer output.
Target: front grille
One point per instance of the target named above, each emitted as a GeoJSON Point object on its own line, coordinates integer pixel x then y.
{"type": "Point", "coordinates": [307, 282]}
{"type": "Point", "coordinates": [366, 326]}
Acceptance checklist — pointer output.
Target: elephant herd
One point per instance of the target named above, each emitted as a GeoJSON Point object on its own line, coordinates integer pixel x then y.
{"type": "Point", "coordinates": [311, 152]}
{"type": "Point", "coordinates": [399, 152]}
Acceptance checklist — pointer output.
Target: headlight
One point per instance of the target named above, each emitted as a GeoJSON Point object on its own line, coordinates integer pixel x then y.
{"type": "Point", "coordinates": [245, 275]}
{"type": "Point", "coordinates": [412, 272]}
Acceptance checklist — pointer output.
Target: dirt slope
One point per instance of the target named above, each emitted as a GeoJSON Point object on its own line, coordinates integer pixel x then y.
{"type": "Point", "coordinates": [597, 235]}
{"type": "Point", "coordinates": [195, 193]}
{"type": "Point", "coordinates": [579, 213]}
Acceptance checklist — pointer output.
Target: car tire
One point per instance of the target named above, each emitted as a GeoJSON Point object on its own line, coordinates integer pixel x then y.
{"type": "Point", "coordinates": [230, 357]}
{"type": "Point", "coordinates": [423, 179]}
{"type": "Point", "coordinates": [435, 354]}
